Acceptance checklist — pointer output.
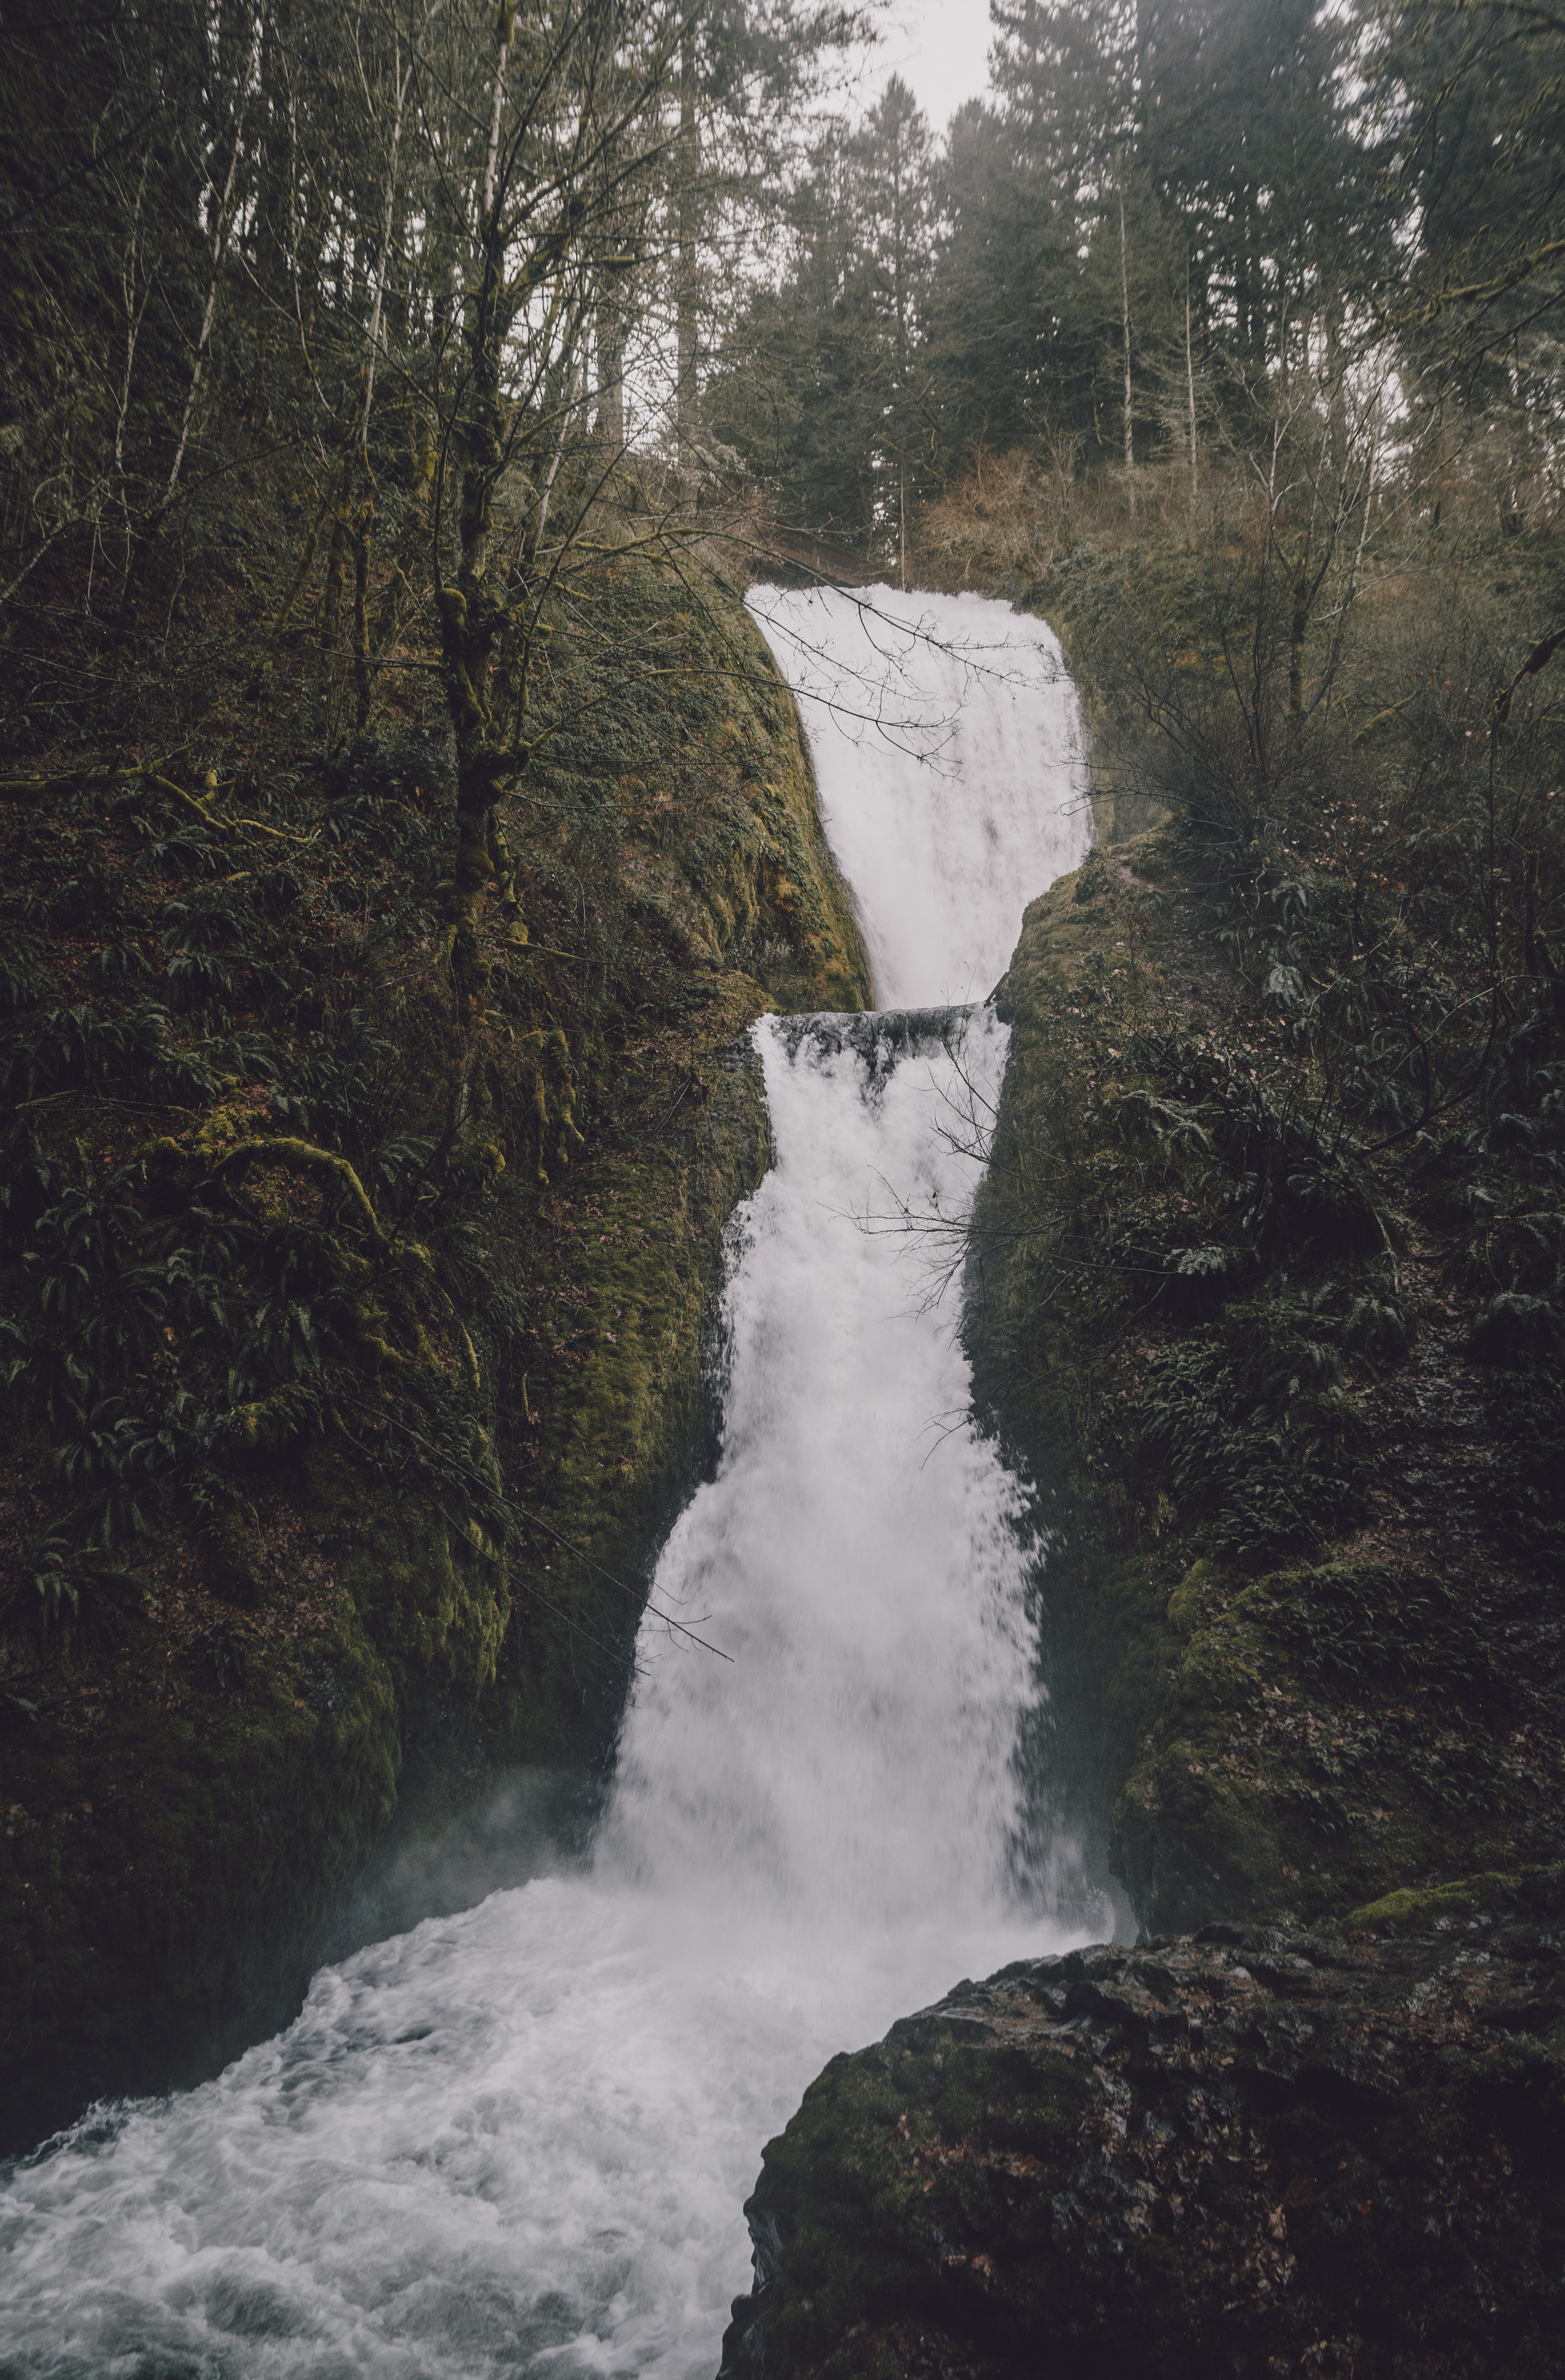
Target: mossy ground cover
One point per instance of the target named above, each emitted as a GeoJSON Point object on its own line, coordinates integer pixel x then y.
{"type": "Point", "coordinates": [1323, 1734]}
{"type": "Point", "coordinates": [357, 1355]}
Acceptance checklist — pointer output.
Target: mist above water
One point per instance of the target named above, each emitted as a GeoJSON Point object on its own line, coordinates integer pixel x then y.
{"type": "Point", "coordinates": [519, 2138]}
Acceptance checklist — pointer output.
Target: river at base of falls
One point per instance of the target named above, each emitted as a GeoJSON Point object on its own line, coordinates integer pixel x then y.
{"type": "Point", "coordinates": [519, 2138]}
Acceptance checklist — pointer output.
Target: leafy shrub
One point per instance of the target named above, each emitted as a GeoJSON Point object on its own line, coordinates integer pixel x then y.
{"type": "Point", "coordinates": [1248, 1422]}
{"type": "Point", "coordinates": [1361, 1623]}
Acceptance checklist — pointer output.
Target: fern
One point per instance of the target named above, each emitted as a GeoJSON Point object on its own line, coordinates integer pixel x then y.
{"type": "Point", "coordinates": [24, 980]}
{"type": "Point", "coordinates": [1247, 1420]}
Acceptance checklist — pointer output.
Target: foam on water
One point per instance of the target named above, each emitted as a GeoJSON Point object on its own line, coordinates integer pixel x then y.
{"type": "Point", "coordinates": [518, 2139]}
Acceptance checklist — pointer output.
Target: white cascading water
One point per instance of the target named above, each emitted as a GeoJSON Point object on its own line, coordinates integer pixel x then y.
{"type": "Point", "coordinates": [518, 2139]}
{"type": "Point", "coordinates": [948, 752]}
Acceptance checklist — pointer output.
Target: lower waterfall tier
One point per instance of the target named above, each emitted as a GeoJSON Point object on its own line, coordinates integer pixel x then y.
{"type": "Point", "coordinates": [518, 2139]}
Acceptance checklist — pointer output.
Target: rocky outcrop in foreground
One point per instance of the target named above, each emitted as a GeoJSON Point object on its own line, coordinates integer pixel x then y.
{"type": "Point", "coordinates": [1239, 2152]}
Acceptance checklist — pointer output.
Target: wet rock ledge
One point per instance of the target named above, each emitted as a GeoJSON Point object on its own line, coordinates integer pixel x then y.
{"type": "Point", "coordinates": [1238, 2152]}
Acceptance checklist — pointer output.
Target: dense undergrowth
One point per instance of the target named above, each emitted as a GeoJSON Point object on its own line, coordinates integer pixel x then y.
{"type": "Point", "coordinates": [1278, 1176]}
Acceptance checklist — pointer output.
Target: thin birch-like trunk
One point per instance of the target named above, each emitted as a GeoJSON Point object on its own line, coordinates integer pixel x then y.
{"type": "Point", "coordinates": [1125, 302]}
{"type": "Point", "coordinates": [1189, 392]}
{"type": "Point", "coordinates": [359, 451]}
{"type": "Point", "coordinates": [467, 621]}
{"type": "Point", "coordinates": [685, 395]}
{"type": "Point", "coordinates": [219, 251]}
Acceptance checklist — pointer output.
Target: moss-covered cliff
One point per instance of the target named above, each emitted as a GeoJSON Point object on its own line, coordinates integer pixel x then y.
{"type": "Point", "coordinates": [1300, 1652]}
{"type": "Point", "coordinates": [356, 1357]}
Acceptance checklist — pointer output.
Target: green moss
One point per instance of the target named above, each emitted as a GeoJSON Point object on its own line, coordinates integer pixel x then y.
{"type": "Point", "coordinates": [428, 1590]}
{"type": "Point", "coordinates": [1325, 1735]}
{"type": "Point", "coordinates": [617, 1418]}
{"type": "Point", "coordinates": [710, 789]}
{"type": "Point", "coordinates": [173, 1852]}
{"type": "Point", "coordinates": [1416, 1909]}
{"type": "Point", "coordinates": [896, 2154]}
{"type": "Point", "coordinates": [1193, 1598]}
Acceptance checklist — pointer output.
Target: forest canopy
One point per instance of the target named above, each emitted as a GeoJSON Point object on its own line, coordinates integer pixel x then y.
{"type": "Point", "coordinates": [1162, 215]}
{"type": "Point", "coordinates": [440, 264]}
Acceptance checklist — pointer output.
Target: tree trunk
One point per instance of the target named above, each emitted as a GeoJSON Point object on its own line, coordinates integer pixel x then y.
{"type": "Point", "coordinates": [1189, 392]}
{"type": "Point", "coordinates": [336, 553]}
{"type": "Point", "coordinates": [902, 507]}
{"type": "Point", "coordinates": [610, 344]}
{"type": "Point", "coordinates": [1125, 303]}
{"type": "Point", "coordinates": [358, 445]}
{"type": "Point", "coordinates": [686, 395]}
{"type": "Point", "coordinates": [1297, 629]}
{"type": "Point", "coordinates": [362, 678]}
{"type": "Point", "coordinates": [470, 620]}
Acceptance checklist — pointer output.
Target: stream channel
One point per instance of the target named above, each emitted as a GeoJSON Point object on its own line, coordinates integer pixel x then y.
{"type": "Point", "coordinates": [518, 2139]}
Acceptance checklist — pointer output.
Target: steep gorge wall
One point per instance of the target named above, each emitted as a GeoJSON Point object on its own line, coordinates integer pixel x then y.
{"type": "Point", "coordinates": [1282, 1607]}
{"type": "Point", "coordinates": [353, 1602]}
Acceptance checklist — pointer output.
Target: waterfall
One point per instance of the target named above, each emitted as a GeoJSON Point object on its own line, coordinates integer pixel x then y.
{"type": "Point", "coordinates": [947, 750]}
{"type": "Point", "coordinates": [519, 2138]}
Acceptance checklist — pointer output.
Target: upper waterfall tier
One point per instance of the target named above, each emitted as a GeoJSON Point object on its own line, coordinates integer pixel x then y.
{"type": "Point", "coordinates": [948, 753]}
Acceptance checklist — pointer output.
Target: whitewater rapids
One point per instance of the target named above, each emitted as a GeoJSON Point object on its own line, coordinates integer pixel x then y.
{"type": "Point", "coordinates": [517, 2140]}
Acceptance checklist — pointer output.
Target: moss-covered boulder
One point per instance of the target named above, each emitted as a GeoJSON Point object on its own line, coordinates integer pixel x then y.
{"type": "Point", "coordinates": [1247, 2152]}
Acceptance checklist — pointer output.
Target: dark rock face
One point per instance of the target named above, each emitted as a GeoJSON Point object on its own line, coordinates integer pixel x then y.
{"type": "Point", "coordinates": [1241, 2152]}
{"type": "Point", "coordinates": [1289, 1672]}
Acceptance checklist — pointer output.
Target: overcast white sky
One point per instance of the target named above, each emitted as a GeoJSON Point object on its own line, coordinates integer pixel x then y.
{"type": "Point", "coordinates": [939, 48]}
